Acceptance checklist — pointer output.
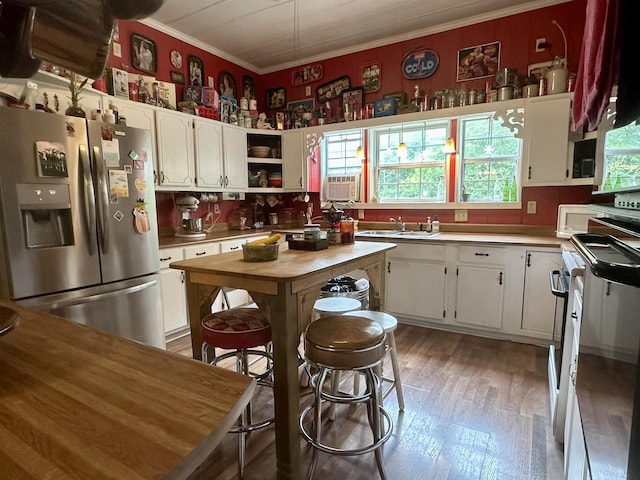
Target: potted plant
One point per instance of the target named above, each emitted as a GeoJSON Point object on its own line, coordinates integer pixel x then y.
{"type": "Point", "coordinates": [75, 87]}
{"type": "Point", "coordinates": [465, 194]}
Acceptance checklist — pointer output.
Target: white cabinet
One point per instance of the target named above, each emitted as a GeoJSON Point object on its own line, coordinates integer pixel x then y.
{"type": "Point", "coordinates": [175, 149]}
{"type": "Point", "coordinates": [538, 304]}
{"type": "Point", "coordinates": [174, 296]}
{"type": "Point", "coordinates": [546, 146]}
{"type": "Point", "coordinates": [416, 281]}
{"type": "Point", "coordinates": [480, 280]}
{"type": "Point", "coordinates": [294, 161]}
{"type": "Point", "coordinates": [208, 153]}
{"type": "Point", "coordinates": [234, 140]}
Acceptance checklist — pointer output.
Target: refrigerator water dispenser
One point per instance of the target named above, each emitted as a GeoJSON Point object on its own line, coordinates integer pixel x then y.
{"type": "Point", "coordinates": [46, 214]}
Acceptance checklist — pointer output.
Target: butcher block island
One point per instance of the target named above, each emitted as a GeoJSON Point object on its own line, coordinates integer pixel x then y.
{"type": "Point", "coordinates": [79, 403]}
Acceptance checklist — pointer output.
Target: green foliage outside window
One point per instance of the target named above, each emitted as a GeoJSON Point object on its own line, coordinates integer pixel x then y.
{"type": "Point", "coordinates": [622, 156]}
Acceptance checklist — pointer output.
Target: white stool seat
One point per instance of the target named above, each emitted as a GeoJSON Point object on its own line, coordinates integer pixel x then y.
{"type": "Point", "coordinates": [389, 323]}
{"type": "Point", "coordinates": [331, 306]}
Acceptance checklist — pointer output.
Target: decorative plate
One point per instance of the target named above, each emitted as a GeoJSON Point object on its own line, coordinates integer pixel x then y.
{"type": "Point", "coordinates": [176, 59]}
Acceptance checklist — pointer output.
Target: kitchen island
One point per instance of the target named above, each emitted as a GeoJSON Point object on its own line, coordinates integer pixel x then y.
{"type": "Point", "coordinates": [79, 403]}
{"type": "Point", "coordinates": [285, 289]}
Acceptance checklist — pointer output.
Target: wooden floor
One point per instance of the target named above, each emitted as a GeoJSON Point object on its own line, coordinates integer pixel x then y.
{"type": "Point", "coordinates": [476, 408]}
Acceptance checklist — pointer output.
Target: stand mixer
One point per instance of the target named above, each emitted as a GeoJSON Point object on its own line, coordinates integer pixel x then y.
{"type": "Point", "coordinates": [190, 227]}
{"type": "Point", "coordinates": [333, 216]}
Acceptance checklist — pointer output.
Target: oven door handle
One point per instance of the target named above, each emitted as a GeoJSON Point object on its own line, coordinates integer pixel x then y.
{"type": "Point", "coordinates": [558, 292]}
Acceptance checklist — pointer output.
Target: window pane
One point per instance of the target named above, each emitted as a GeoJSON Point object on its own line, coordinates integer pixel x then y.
{"type": "Point", "coordinates": [622, 156]}
{"type": "Point", "coordinates": [339, 152]}
{"type": "Point", "coordinates": [425, 183]}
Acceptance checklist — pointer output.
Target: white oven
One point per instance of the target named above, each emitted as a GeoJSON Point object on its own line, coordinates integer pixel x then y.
{"type": "Point", "coordinates": [564, 284]}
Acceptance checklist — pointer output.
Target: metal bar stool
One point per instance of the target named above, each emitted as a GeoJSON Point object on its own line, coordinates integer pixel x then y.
{"type": "Point", "coordinates": [389, 323]}
{"type": "Point", "coordinates": [345, 343]}
{"type": "Point", "coordinates": [240, 330]}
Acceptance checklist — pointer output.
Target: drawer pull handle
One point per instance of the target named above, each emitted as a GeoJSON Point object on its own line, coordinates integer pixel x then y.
{"type": "Point", "coordinates": [574, 315]}
{"type": "Point", "coordinates": [481, 254]}
{"type": "Point", "coordinates": [164, 259]}
{"type": "Point", "coordinates": [199, 254]}
{"type": "Point", "coordinates": [500, 281]}
{"type": "Point", "coordinates": [234, 248]}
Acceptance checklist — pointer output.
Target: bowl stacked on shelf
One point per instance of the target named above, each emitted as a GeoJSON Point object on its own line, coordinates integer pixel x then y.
{"type": "Point", "coordinates": [260, 151]}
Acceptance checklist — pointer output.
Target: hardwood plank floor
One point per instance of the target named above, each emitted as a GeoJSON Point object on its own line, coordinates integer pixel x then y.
{"type": "Point", "coordinates": [475, 408]}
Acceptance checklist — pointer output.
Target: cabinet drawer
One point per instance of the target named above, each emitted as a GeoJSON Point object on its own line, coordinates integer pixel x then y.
{"type": "Point", "coordinates": [481, 254]}
{"type": "Point", "coordinates": [201, 250]}
{"type": "Point", "coordinates": [236, 244]}
{"type": "Point", "coordinates": [168, 255]}
{"type": "Point", "coordinates": [419, 251]}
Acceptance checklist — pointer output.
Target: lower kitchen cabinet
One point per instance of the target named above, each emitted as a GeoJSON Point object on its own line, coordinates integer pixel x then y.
{"type": "Point", "coordinates": [174, 296]}
{"type": "Point", "coordinates": [538, 304]}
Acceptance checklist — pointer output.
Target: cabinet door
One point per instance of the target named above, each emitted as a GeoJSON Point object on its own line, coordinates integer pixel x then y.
{"type": "Point", "coordinates": [174, 300]}
{"type": "Point", "coordinates": [415, 288]}
{"type": "Point", "coordinates": [539, 305]}
{"type": "Point", "coordinates": [175, 149]}
{"type": "Point", "coordinates": [208, 153]}
{"type": "Point", "coordinates": [234, 141]}
{"type": "Point", "coordinates": [201, 250]}
{"type": "Point", "coordinates": [546, 127]}
{"type": "Point", "coordinates": [479, 296]}
{"type": "Point", "coordinates": [294, 161]}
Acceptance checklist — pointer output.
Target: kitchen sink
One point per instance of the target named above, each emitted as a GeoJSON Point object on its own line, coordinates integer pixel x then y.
{"type": "Point", "coordinates": [395, 234]}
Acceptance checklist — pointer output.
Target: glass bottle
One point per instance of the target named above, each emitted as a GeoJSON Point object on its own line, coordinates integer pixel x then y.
{"type": "Point", "coordinates": [440, 190]}
{"type": "Point", "coordinates": [505, 190]}
{"type": "Point", "coordinates": [607, 182]}
{"type": "Point", "coordinates": [514, 190]}
{"type": "Point", "coordinates": [617, 184]}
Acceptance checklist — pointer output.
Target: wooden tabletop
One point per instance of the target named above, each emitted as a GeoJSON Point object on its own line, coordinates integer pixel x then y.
{"type": "Point", "coordinates": [79, 403]}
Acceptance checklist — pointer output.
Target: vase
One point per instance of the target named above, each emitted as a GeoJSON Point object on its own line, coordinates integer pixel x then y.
{"type": "Point", "coordinates": [75, 111]}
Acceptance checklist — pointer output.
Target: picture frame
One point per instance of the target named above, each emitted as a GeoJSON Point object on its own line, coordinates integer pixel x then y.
{"type": "Point", "coordinates": [479, 61]}
{"type": "Point", "coordinates": [385, 107]}
{"type": "Point", "coordinates": [400, 97]}
{"type": "Point", "coordinates": [332, 89]}
{"type": "Point", "coordinates": [119, 83]}
{"type": "Point", "coordinates": [144, 55]}
{"type": "Point", "coordinates": [536, 69]}
{"type": "Point", "coordinates": [276, 98]}
{"type": "Point", "coordinates": [370, 77]}
{"type": "Point", "coordinates": [354, 97]}
{"type": "Point", "coordinates": [196, 71]}
{"type": "Point", "coordinates": [177, 77]}
{"type": "Point", "coordinates": [227, 85]}
{"type": "Point", "coordinates": [307, 74]}
{"type": "Point", "coordinates": [248, 87]}
{"type": "Point", "coordinates": [306, 105]}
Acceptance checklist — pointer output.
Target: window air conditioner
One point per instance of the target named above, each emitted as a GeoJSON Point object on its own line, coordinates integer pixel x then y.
{"type": "Point", "coordinates": [342, 188]}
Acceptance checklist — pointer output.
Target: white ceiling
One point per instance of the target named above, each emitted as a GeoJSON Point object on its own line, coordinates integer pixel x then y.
{"type": "Point", "coordinates": [269, 35]}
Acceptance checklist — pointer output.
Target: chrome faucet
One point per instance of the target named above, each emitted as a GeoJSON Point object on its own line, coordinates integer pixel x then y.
{"type": "Point", "coordinates": [400, 224]}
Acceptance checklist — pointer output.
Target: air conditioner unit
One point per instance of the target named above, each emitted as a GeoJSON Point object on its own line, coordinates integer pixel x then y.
{"type": "Point", "coordinates": [342, 188]}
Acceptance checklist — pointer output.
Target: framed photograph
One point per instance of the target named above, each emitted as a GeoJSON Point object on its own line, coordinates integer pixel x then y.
{"type": "Point", "coordinates": [536, 70]}
{"type": "Point", "coordinates": [371, 77]}
{"type": "Point", "coordinates": [119, 83]}
{"type": "Point", "coordinates": [177, 77]}
{"type": "Point", "coordinates": [478, 61]}
{"type": "Point", "coordinates": [192, 93]}
{"type": "Point", "coordinates": [144, 56]}
{"type": "Point", "coordinates": [227, 85]}
{"type": "Point", "coordinates": [276, 98]}
{"type": "Point", "coordinates": [354, 97]}
{"type": "Point", "coordinates": [306, 105]}
{"type": "Point", "coordinates": [306, 74]}
{"type": "Point", "coordinates": [196, 71]}
{"type": "Point", "coordinates": [332, 89]}
{"type": "Point", "coordinates": [248, 87]}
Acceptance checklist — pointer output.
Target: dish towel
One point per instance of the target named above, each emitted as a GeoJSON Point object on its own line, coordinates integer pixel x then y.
{"type": "Point", "coordinates": [628, 103]}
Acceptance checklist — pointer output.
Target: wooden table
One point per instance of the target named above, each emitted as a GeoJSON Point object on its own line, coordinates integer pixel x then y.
{"type": "Point", "coordinates": [79, 403]}
{"type": "Point", "coordinates": [285, 290]}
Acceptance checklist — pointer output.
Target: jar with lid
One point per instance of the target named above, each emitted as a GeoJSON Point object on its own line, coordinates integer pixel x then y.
{"type": "Point", "coordinates": [312, 231]}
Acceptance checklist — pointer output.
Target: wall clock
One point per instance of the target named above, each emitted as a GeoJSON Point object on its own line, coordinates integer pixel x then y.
{"type": "Point", "coordinates": [176, 59]}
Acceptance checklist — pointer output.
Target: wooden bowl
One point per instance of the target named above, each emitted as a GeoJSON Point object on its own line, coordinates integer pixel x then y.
{"type": "Point", "coordinates": [260, 253]}
{"type": "Point", "coordinates": [260, 151]}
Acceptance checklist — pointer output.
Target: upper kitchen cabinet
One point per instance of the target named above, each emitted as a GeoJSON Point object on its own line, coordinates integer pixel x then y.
{"type": "Point", "coordinates": [207, 136]}
{"type": "Point", "coordinates": [294, 161]}
{"type": "Point", "coordinates": [546, 146]}
{"type": "Point", "coordinates": [264, 156]}
{"type": "Point", "coordinates": [234, 142]}
{"type": "Point", "coordinates": [174, 134]}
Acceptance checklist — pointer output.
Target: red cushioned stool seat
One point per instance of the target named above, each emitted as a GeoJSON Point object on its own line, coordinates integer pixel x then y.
{"type": "Point", "coordinates": [238, 328]}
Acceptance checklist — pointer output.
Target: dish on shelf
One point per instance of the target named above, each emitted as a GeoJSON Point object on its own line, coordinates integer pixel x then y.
{"type": "Point", "coordinates": [275, 182]}
{"type": "Point", "coordinates": [260, 151]}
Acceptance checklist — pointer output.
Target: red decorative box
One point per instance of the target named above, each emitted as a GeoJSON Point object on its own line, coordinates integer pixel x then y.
{"type": "Point", "coordinates": [207, 112]}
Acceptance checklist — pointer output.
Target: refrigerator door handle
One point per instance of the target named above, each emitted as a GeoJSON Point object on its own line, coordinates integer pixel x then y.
{"type": "Point", "coordinates": [103, 199]}
{"type": "Point", "coordinates": [101, 296]}
{"type": "Point", "coordinates": [89, 198]}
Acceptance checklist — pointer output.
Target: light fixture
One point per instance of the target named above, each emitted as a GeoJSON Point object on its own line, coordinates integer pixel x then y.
{"type": "Point", "coordinates": [359, 153]}
{"type": "Point", "coordinates": [450, 146]}
{"type": "Point", "coordinates": [402, 147]}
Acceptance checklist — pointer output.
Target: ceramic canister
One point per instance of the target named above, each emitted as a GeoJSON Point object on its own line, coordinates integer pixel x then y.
{"type": "Point", "coordinates": [556, 79]}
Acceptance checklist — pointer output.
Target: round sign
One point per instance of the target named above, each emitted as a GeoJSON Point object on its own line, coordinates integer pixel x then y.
{"type": "Point", "coordinates": [420, 64]}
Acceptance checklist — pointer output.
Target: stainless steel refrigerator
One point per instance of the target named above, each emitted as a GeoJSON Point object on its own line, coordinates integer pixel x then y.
{"type": "Point", "coordinates": [78, 220]}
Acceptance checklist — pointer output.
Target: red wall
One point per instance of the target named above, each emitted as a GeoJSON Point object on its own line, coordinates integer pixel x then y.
{"type": "Point", "coordinates": [516, 34]}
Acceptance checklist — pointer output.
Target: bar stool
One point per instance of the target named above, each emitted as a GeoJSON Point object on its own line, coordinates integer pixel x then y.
{"type": "Point", "coordinates": [240, 330]}
{"type": "Point", "coordinates": [346, 343]}
{"type": "Point", "coordinates": [333, 306]}
{"type": "Point", "coordinates": [389, 323]}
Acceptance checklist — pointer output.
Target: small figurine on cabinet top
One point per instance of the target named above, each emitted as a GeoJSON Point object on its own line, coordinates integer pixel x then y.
{"type": "Point", "coordinates": [262, 122]}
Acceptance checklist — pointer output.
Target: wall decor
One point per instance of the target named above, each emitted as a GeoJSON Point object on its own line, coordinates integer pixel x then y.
{"type": "Point", "coordinates": [479, 61]}
{"type": "Point", "coordinates": [276, 98]}
{"type": "Point", "coordinates": [537, 69]}
{"type": "Point", "coordinates": [177, 77]}
{"type": "Point", "coordinates": [354, 97]}
{"type": "Point", "coordinates": [385, 107]}
{"type": "Point", "coordinates": [248, 87]}
{"type": "Point", "coordinates": [419, 63]}
{"type": "Point", "coordinates": [306, 74]}
{"type": "Point", "coordinates": [176, 59]}
{"type": "Point", "coordinates": [371, 77]}
{"type": "Point", "coordinates": [332, 89]}
{"type": "Point", "coordinates": [192, 93]}
{"type": "Point", "coordinates": [119, 83]}
{"type": "Point", "coordinates": [144, 56]}
{"type": "Point", "coordinates": [196, 70]}
{"type": "Point", "coordinates": [401, 97]}
{"type": "Point", "coordinates": [227, 85]}
{"type": "Point", "coordinates": [306, 105]}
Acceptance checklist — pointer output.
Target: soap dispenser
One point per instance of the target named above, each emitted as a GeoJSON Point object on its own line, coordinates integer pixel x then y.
{"type": "Point", "coordinates": [429, 226]}
{"type": "Point", "coordinates": [435, 225]}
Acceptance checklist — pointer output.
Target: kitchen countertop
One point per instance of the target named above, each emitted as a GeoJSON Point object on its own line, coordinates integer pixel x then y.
{"type": "Point", "coordinates": [168, 239]}
{"type": "Point", "coordinates": [77, 402]}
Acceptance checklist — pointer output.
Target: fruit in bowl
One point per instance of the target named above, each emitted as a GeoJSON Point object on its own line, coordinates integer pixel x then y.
{"type": "Point", "coordinates": [262, 250]}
